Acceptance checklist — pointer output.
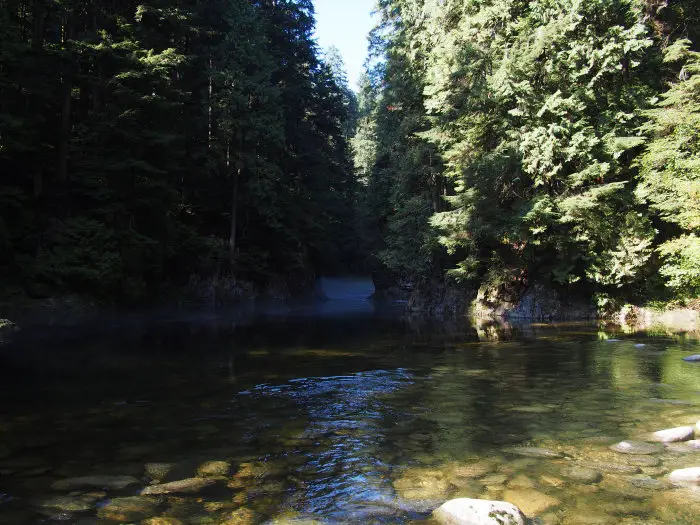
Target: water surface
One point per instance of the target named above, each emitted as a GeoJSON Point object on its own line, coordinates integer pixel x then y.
{"type": "Point", "coordinates": [356, 416]}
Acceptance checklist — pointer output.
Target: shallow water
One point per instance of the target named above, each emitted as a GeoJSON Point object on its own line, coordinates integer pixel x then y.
{"type": "Point", "coordinates": [356, 417]}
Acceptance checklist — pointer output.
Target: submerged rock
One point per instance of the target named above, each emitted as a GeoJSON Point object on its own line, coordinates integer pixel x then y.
{"type": "Point", "coordinates": [158, 471]}
{"type": "Point", "coordinates": [643, 461]}
{"type": "Point", "coordinates": [677, 506]}
{"type": "Point", "coordinates": [583, 475]}
{"type": "Point", "coordinates": [213, 469]}
{"type": "Point", "coordinates": [466, 511]}
{"type": "Point", "coordinates": [534, 452]}
{"type": "Point", "coordinates": [692, 359]}
{"type": "Point", "coordinates": [162, 520]}
{"type": "Point", "coordinates": [95, 482]}
{"type": "Point", "coordinates": [647, 482]}
{"type": "Point", "coordinates": [639, 448]}
{"type": "Point", "coordinates": [68, 503]}
{"type": "Point", "coordinates": [613, 468]}
{"type": "Point", "coordinates": [133, 508]}
{"type": "Point", "coordinates": [422, 484]}
{"type": "Point", "coordinates": [673, 435]}
{"type": "Point", "coordinates": [686, 475]}
{"type": "Point", "coordinates": [686, 447]}
{"type": "Point", "coordinates": [183, 486]}
{"type": "Point", "coordinates": [532, 502]}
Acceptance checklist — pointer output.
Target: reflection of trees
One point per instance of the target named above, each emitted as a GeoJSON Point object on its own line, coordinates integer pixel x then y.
{"type": "Point", "coordinates": [491, 394]}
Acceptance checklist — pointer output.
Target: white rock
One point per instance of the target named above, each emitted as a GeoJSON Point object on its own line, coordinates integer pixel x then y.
{"type": "Point", "coordinates": [673, 435]}
{"type": "Point", "coordinates": [465, 511]}
{"type": "Point", "coordinates": [686, 475]}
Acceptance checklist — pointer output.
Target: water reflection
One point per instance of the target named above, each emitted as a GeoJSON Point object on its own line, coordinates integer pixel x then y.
{"type": "Point", "coordinates": [351, 419]}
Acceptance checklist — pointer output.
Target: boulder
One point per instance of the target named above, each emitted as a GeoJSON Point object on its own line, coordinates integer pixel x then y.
{"type": "Point", "coordinates": [466, 511]}
{"type": "Point", "coordinates": [183, 486]}
{"type": "Point", "coordinates": [639, 448]}
{"type": "Point", "coordinates": [685, 476]}
{"type": "Point", "coordinates": [95, 482]}
{"type": "Point", "coordinates": [674, 435]}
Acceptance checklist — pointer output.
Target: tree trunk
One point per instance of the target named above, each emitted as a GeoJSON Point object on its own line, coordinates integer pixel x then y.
{"type": "Point", "coordinates": [234, 215]}
{"type": "Point", "coordinates": [66, 106]}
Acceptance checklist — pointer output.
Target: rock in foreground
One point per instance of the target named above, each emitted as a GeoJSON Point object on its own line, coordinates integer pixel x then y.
{"type": "Point", "coordinates": [674, 435]}
{"type": "Point", "coordinates": [686, 475]}
{"type": "Point", "coordinates": [466, 511]}
{"type": "Point", "coordinates": [639, 448]}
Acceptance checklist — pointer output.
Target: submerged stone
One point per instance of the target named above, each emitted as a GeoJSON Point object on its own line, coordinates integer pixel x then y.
{"type": "Point", "coordinates": [133, 508]}
{"type": "Point", "coordinates": [677, 506]}
{"type": "Point", "coordinates": [422, 484]}
{"type": "Point", "coordinates": [583, 475]}
{"type": "Point", "coordinates": [465, 511]}
{"type": "Point", "coordinates": [162, 520]}
{"type": "Point", "coordinates": [183, 486]}
{"type": "Point", "coordinates": [534, 452]}
{"type": "Point", "coordinates": [639, 448]}
{"type": "Point", "coordinates": [692, 359]}
{"type": "Point", "coordinates": [673, 435]}
{"type": "Point", "coordinates": [95, 482]}
{"type": "Point", "coordinates": [68, 503]}
{"type": "Point", "coordinates": [647, 482]}
{"type": "Point", "coordinates": [158, 471]}
{"type": "Point", "coordinates": [214, 469]}
{"type": "Point", "coordinates": [643, 461]}
{"type": "Point", "coordinates": [532, 502]}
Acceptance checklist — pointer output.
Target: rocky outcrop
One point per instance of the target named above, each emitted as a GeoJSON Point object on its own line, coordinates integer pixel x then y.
{"type": "Point", "coordinates": [682, 319]}
{"type": "Point", "coordinates": [537, 302]}
{"type": "Point", "coordinates": [440, 299]}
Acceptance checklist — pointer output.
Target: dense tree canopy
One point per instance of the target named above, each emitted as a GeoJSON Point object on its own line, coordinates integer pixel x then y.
{"type": "Point", "coordinates": [525, 137]}
{"type": "Point", "coordinates": [143, 143]}
{"type": "Point", "coordinates": [494, 141]}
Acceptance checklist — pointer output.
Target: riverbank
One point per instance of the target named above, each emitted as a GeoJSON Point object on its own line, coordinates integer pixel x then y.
{"type": "Point", "coordinates": [545, 303]}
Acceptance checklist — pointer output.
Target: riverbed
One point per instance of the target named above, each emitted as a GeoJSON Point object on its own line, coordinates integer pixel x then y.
{"type": "Point", "coordinates": [341, 416]}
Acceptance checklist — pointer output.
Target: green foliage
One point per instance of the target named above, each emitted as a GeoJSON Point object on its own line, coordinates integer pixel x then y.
{"type": "Point", "coordinates": [141, 144]}
{"type": "Point", "coordinates": [670, 170]}
{"type": "Point", "coordinates": [529, 117]}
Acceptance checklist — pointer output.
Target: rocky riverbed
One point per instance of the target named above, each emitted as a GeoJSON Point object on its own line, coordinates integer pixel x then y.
{"type": "Point", "coordinates": [561, 427]}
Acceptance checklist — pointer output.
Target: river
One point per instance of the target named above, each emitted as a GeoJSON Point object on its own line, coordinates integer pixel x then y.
{"type": "Point", "coordinates": [341, 412]}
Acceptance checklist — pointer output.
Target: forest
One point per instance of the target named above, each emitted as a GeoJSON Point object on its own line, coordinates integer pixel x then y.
{"type": "Point", "coordinates": [491, 142]}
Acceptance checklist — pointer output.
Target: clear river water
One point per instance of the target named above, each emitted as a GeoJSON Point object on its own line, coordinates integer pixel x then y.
{"type": "Point", "coordinates": [340, 413]}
